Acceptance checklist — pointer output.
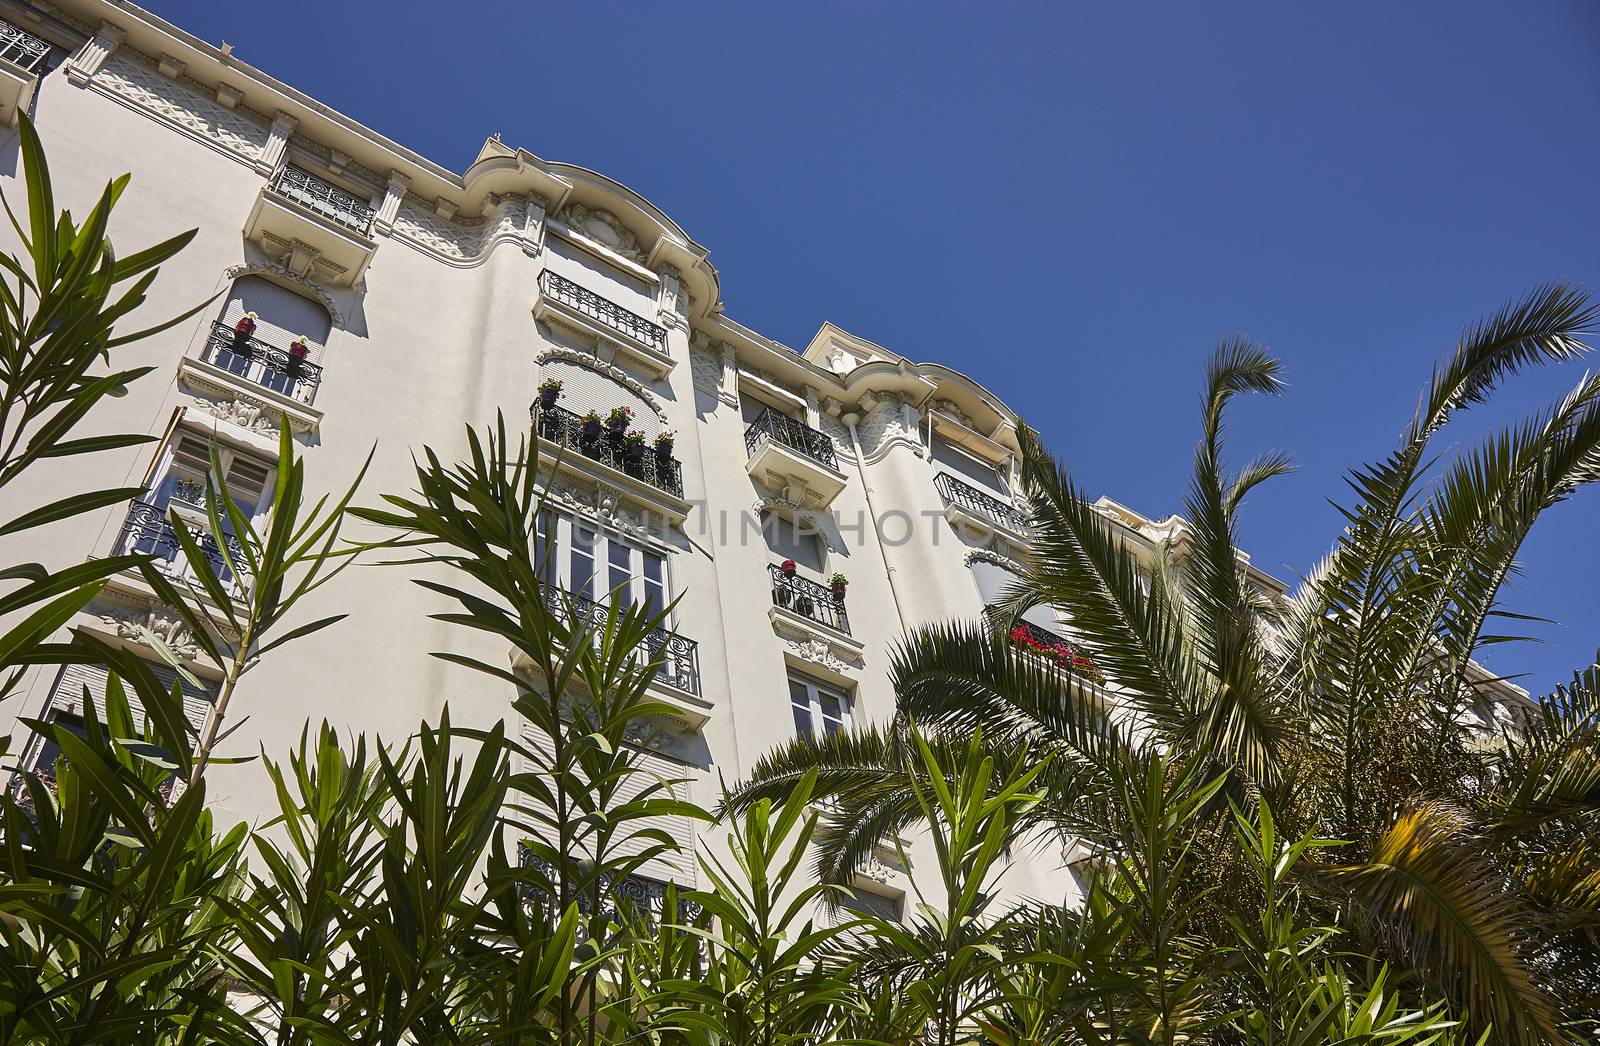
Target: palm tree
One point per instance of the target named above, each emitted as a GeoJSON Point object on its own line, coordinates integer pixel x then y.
{"type": "Point", "coordinates": [1468, 863]}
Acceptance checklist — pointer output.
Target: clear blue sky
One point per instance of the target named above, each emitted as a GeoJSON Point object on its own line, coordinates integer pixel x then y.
{"type": "Point", "coordinates": [1071, 202]}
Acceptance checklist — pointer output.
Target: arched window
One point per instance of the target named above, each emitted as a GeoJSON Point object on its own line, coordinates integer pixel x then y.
{"type": "Point", "coordinates": [282, 316]}
{"type": "Point", "coordinates": [584, 389]}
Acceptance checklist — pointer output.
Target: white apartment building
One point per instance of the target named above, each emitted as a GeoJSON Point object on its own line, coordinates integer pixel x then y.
{"type": "Point", "coordinates": [428, 300]}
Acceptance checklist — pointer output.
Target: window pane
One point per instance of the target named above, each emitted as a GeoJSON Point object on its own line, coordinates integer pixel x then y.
{"type": "Point", "coordinates": [544, 548]}
{"type": "Point", "coordinates": [620, 584]}
{"type": "Point", "coordinates": [581, 579]}
{"type": "Point", "coordinates": [655, 583]}
{"type": "Point", "coordinates": [800, 702]}
{"type": "Point", "coordinates": [832, 715]}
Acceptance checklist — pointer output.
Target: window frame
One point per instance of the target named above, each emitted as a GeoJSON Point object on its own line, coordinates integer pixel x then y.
{"type": "Point", "coordinates": [166, 459]}
{"type": "Point", "coordinates": [815, 689]}
{"type": "Point", "coordinates": [606, 539]}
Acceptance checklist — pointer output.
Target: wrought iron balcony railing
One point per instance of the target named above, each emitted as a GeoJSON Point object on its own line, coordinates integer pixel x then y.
{"type": "Point", "coordinates": [808, 599]}
{"type": "Point", "coordinates": [148, 530]}
{"type": "Point", "coordinates": [680, 657]}
{"type": "Point", "coordinates": [324, 199]}
{"type": "Point", "coordinates": [265, 365]}
{"type": "Point", "coordinates": [563, 427]}
{"type": "Point", "coordinates": [22, 48]}
{"type": "Point", "coordinates": [980, 503]}
{"type": "Point", "coordinates": [602, 310]}
{"type": "Point", "coordinates": [797, 435]}
{"type": "Point", "coordinates": [639, 892]}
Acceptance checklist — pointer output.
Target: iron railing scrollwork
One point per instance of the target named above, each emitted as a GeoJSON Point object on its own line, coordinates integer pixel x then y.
{"type": "Point", "coordinates": [22, 48]}
{"type": "Point", "coordinates": [265, 365]}
{"type": "Point", "coordinates": [808, 599]}
{"type": "Point", "coordinates": [563, 427]}
{"type": "Point", "coordinates": [323, 198]}
{"type": "Point", "coordinates": [148, 530]}
{"type": "Point", "coordinates": [638, 892]}
{"type": "Point", "coordinates": [977, 502]}
{"type": "Point", "coordinates": [796, 435]}
{"type": "Point", "coordinates": [602, 310]}
{"type": "Point", "coordinates": [680, 657]}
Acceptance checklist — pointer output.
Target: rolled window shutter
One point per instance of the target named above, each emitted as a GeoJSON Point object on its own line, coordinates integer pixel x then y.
{"type": "Point", "coordinates": [652, 768]}
{"type": "Point", "coordinates": [584, 389]}
{"type": "Point", "coordinates": [993, 580]}
{"type": "Point", "coordinates": [281, 315]}
{"type": "Point", "coordinates": [67, 695]}
{"type": "Point", "coordinates": [947, 457]}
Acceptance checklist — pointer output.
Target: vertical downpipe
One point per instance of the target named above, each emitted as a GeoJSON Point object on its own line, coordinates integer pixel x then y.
{"type": "Point", "coordinates": [872, 510]}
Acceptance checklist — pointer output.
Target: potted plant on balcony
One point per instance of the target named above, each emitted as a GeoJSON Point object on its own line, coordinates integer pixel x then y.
{"type": "Point", "coordinates": [633, 447]}
{"type": "Point", "coordinates": [298, 351]}
{"type": "Point", "coordinates": [242, 332]}
{"type": "Point", "coordinates": [591, 426]}
{"type": "Point", "coordinates": [664, 440]}
{"type": "Point", "coordinates": [618, 420]}
{"type": "Point", "coordinates": [838, 581]}
{"type": "Point", "coordinates": [781, 593]}
{"type": "Point", "coordinates": [549, 392]}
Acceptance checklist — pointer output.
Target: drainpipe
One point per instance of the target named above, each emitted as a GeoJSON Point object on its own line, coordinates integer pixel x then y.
{"type": "Point", "coordinates": [872, 510]}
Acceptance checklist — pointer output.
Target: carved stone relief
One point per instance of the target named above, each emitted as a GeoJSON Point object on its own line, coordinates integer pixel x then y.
{"type": "Point", "coordinates": [139, 624]}
{"type": "Point", "coordinates": [137, 80]}
{"type": "Point", "coordinates": [242, 411]}
{"type": "Point", "coordinates": [605, 509]}
{"type": "Point", "coordinates": [604, 228]}
{"type": "Point", "coordinates": [890, 423]}
{"type": "Point", "coordinates": [462, 239]}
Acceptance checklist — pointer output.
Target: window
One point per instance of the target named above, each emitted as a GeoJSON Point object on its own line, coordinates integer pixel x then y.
{"type": "Point", "coordinates": [947, 457]}
{"type": "Point", "coordinates": [577, 557]}
{"type": "Point", "coordinates": [584, 389]}
{"type": "Point", "coordinates": [794, 538]}
{"type": "Point", "coordinates": [282, 316]}
{"type": "Point", "coordinates": [865, 902]}
{"type": "Point", "coordinates": [178, 483]}
{"type": "Point", "coordinates": [65, 706]}
{"type": "Point", "coordinates": [819, 709]}
{"type": "Point", "coordinates": [993, 579]}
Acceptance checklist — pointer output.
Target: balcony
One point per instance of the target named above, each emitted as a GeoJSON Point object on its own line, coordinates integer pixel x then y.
{"type": "Point", "coordinates": [792, 456]}
{"type": "Point", "coordinates": [808, 599]}
{"type": "Point", "coordinates": [316, 227]}
{"type": "Point", "coordinates": [268, 366]}
{"type": "Point", "coordinates": [643, 894]}
{"type": "Point", "coordinates": [565, 302]}
{"type": "Point", "coordinates": [642, 464]}
{"type": "Point", "coordinates": [22, 57]}
{"type": "Point", "coordinates": [147, 530]}
{"type": "Point", "coordinates": [680, 657]}
{"type": "Point", "coordinates": [966, 504]}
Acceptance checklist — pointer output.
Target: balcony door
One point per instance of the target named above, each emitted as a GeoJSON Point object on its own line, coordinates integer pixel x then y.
{"type": "Point", "coordinates": [584, 560]}
{"type": "Point", "coordinates": [178, 485]}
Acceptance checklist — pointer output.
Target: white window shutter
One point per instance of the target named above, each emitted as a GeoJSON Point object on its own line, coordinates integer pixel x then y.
{"type": "Point", "coordinates": [652, 768]}
{"type": "Point", "coordinates": [67, 695]}
{"type": "Point", "coordinates": [947, 457]}
{"type": "Point", "coordinates": [584, 389]}
{"type": "Point", "coordinates": [281, 315]}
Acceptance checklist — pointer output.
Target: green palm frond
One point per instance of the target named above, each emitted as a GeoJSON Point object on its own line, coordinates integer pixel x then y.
{"type": "Point", "coordinates": [1441, 905]}
{"type": "Point", "coordinates": [1080, 564]}
{"type": "Point", "coordinates": [1550, 769]}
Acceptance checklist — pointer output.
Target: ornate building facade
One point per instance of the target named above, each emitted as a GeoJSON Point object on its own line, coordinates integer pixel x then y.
{"type": "Point", "coordinates": [391, 301]}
